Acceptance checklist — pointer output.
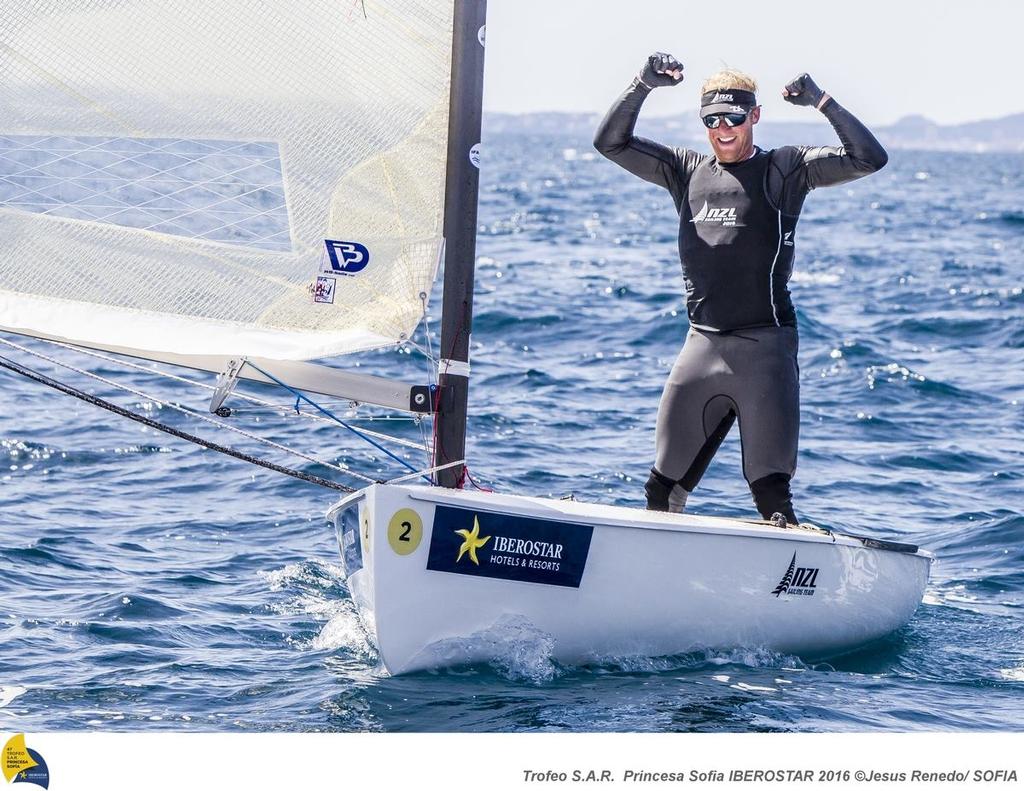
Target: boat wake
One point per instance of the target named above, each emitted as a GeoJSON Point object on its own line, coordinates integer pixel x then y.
{"type": "Point", "coordinates": [515, 649]}
{"type": "Point", "coordinates": [318, 590]}
{"type": "Point", "coordinates": [344, 632]}
{"type": "Point", "coordinates": [518, 651]}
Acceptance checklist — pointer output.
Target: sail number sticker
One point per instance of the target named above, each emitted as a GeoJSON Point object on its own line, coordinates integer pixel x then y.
{"type": "Point", "coordinates": [481, 544]}
{"type": "Point", "coordinates": [405, 531]}
{"type": "Point", "coordinates": [323, 291]}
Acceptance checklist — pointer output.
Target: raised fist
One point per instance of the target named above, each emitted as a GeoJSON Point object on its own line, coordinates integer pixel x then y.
{"type": "Point", "coordinates": [660, 70]}
{"type": "Point", "coordinates": [803, 91]}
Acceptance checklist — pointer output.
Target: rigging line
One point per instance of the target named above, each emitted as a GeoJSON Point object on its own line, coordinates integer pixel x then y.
{"type": "Point", "coordinates": [431, 360]}
{"type": "Point", "coordinates": [303, 397]}
{"type": "Point", "coordinates": [118, 410]}
{"type": "Point", "coordinates": [477, 486]}
{"type": "Point", "coordinates": [429, 471]}
{"type": "Point", "coordinates": [432, 363]}
{"type": "Point", "coordinates": [431, 375]}
{"type": "Point", "coordinates": [189, 412]}
{"type": "Point", "coordinates": [279, 408]}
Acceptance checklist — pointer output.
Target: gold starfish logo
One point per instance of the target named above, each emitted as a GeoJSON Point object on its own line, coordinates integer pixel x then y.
{"type": "Point", "coordinates": [471, 542]}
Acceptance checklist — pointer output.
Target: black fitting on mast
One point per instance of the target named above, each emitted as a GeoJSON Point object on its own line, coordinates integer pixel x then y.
{"type": "Point", "coordinates": [460, 212]}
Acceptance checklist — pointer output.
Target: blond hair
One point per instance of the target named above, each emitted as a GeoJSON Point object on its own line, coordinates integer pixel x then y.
{"type": "Point", "coordinates": [729, 78]}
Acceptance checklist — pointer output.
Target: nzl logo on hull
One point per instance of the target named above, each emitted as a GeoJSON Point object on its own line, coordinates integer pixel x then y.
{"type": "Point", "coordinates": [345, 258]}
{"type": "Point", "coordinates": [508, 547]}
{"type": "Point", "coordinates": [723, 216]}
{"type": "Point", "coordinates": [797, 581]}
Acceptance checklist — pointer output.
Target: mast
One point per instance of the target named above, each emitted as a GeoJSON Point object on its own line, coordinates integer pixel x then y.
{"type": "Point", "coordinates": [460, 207]}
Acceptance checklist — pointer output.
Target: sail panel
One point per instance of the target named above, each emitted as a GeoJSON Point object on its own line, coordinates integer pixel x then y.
{"type": "Point", "coordinates": [239, 177]}
{"type": "Point", "coordinates": [222, 191]}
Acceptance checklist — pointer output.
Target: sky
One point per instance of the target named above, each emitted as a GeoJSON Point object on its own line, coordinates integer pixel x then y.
{"type": "Point", "coordinates": [949, 61]}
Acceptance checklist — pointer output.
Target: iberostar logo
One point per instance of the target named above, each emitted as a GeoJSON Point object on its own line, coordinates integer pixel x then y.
{"type": "Point", "coordinates": [22, 764]}
{"type": "Point", "coordinates": [471, 542]}
{"type": "Point", "coordinates": [515, 547]}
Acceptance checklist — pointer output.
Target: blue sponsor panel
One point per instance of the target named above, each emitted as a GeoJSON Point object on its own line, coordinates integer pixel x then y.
{"type": "Point", "coordinates": [351, 544]}
{"type": "Point", "coordinates": [481, 544]}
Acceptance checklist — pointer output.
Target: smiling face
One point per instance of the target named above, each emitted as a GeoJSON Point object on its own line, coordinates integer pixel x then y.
{"type": "Point", "coordinates": [734, 144]}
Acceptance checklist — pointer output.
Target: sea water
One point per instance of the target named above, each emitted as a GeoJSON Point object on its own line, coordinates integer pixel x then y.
{"type": "Point", "coordinates": [148, 584]}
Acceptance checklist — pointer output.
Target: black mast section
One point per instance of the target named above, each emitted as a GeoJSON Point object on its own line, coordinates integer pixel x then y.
{"type": "Point", "coordinates": [460, 205]}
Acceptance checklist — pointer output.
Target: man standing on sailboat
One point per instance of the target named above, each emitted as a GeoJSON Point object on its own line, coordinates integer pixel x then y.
{"type": "Point", "coordinates": [738, 210]}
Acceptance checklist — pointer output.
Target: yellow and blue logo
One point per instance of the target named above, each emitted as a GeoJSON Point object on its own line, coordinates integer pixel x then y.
{"type": "Point", "coordinates": [22, 764]}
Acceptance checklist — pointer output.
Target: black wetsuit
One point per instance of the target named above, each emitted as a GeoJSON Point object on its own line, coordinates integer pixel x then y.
{"type": "Point", "coordinates": [737, 224]}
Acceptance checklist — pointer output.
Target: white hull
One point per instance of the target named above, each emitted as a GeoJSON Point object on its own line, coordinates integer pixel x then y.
{"type": "Point", "coordinates": [649, 584]}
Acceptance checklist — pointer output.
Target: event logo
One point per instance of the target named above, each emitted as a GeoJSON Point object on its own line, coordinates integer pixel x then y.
{"type": "Point", "coordinates": [508, 547]}
{"type": "Point", "coordinates": [22, 764]}
{"type": "Point", "coordinates": [797, 581]}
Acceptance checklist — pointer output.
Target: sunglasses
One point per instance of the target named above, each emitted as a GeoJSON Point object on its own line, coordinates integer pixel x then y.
{"type": "Point", "coordinates": [731, 120]}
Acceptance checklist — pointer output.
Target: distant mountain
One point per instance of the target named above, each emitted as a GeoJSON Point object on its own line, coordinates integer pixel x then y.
{"type": "Point", "coordinates": [916, 131]}
{"type": "Point", "coordinates": [912, 132]}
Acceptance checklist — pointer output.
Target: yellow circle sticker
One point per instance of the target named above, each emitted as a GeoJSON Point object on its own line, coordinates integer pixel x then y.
{"type": "Point", "coordinates": [405, 531]}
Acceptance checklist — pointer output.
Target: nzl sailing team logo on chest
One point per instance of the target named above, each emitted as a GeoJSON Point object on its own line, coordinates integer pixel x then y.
{"type": "Point", "coordinates": [508, 547]}
{"type": "Point", "coordinates": [797, 581]}
{"type": "Point", "coordinates": [725, 216]}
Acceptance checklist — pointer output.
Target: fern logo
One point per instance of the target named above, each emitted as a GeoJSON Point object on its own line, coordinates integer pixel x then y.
{"type": "Point", "coordinates": [787, 578]}
{"type": "Point", "coordinates": [797, 581]}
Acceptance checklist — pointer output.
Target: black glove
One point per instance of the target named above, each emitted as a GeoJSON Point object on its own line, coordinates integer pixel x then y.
{"type": "Point", "coordinates": [655, 73]}
{"type": "Point", "coordinates": [803, 91]}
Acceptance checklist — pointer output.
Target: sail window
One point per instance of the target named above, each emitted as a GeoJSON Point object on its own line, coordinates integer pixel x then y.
{"type": "Point", "coordinates": [220, 191]}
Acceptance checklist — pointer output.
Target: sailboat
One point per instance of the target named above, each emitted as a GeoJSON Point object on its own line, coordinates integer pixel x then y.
{"type": "Point", "coordinates": [245, 193]}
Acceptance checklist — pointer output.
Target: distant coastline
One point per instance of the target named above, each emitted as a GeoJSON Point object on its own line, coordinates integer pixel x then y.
{"type": "Point", "coordinates": [1004, 134]}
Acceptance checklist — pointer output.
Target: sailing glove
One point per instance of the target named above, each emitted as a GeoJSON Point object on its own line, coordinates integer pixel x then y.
{"type": "Point", "coordinates": [660, 70]}
{"type": "Point", "coordinates": [803, 91]}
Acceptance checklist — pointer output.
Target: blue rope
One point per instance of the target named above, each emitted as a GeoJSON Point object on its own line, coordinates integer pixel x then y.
{"type": "Point", "coordinates": [299, 396]}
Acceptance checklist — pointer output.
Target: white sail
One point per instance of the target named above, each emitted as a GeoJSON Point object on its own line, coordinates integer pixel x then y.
{"type": "Point", "coordinates": [222, 178]}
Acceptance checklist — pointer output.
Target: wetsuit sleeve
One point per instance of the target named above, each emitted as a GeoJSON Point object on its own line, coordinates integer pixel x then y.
{"type": "Point", "coordinates": [667, 167]}
{"type": "Point", "coordinates": [799, 169]}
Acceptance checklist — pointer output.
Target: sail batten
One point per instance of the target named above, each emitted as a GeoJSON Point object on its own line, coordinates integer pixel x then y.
{"type": "Point", "coordinates": [226, 178]}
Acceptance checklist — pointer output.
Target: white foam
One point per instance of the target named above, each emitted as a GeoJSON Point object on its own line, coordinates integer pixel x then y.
{"type": "Point", "coordinates": [343, 631]}
{"type": "Point", "coordinates": [752, 688]}
{"type": "Point", "coordinates": [7, 694]}
{"type": "Point", "coordinates": [512, 645]}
